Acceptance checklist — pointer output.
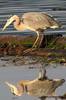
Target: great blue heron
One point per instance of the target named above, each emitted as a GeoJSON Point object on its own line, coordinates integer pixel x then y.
{"type": "Point", "coordinates": [35, 21]}
{"type": "Point", "coordinates": [39, 87]}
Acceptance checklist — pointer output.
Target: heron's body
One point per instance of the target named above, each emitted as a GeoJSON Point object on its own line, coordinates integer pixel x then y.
{"type": "Point", "coordinates": [39, 20]}
{"type": "Point", "coordinates": [39, 87]}
{"type": "Point", "coordinates": [35, 21]}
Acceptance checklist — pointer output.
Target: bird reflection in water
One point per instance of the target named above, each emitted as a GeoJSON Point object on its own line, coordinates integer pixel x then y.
{"type": "Point", "coordinates": [39, 87]}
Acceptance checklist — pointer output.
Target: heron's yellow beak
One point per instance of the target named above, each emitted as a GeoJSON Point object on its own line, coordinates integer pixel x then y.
{"type": "Point", "coordinates": [9, 21]}
{"type": "Point", "coordinates": [4, 28]}
{"type": "Point", "coordinates": [8, 84]}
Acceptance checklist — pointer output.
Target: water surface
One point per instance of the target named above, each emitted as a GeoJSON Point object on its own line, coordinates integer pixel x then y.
{"type": "Point", "coordinates": [19, 7]}
{"type": "Point", "coordinates": [14, 74]}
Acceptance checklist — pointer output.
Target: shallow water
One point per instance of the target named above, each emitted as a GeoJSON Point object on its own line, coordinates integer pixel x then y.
{"type": "Point", "coordinates": [14, 74]}
{"type": "Point", "coordinates": [18, 7]}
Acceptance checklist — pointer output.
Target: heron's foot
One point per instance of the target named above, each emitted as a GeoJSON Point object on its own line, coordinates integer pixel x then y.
{"type": "Point", "coordinates": [29, 50]}
{"type": "Point", "coordinates": [43, 78]}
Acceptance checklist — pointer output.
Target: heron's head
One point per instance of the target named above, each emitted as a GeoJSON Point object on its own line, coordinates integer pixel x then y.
{"type": "Point", "coordinates": [9, 21]}
{"type": "Point", "coordinates": [14, 89]}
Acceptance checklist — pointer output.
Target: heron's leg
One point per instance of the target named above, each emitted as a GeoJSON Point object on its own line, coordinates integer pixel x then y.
{"type": "Point", "coordinates": [36, 39]}
{"type": "Point", "coordinates": [27, 92]}
{"type": "Point", "coordinates": [42, 36]}
{"type": "Point", "coordinates": [44, 75]}
{"type": "Point", "coordinates": [40, 73]}
{"type": "Point", "coordinates": [34, 45]}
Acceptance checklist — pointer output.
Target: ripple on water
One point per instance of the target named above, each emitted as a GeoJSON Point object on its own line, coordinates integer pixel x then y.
{"type": "Point", "coordinates": [10, 7]}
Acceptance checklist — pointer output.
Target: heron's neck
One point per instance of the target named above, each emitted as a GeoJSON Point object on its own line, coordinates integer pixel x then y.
{"type": "Point", "coordinates": [18, 25]}
{"type": "Point", "coordinates": [20, 92]}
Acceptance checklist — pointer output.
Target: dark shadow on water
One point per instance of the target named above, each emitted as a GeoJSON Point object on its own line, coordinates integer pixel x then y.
{"type": "Point", "coordinates": [15, 98]}
{"type": "Point", "coordinates": [55, 97]}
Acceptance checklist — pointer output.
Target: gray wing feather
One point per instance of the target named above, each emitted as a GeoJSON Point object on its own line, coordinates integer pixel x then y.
{"type": "Point", "coordinates": [38, 20]}
{"type": "Point", "coordinates": [42, 88]}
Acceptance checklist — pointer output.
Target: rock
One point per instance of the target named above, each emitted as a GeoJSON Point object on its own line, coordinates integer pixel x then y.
{"type": "Point", "coordinates": [60, 41]}
{"type": "Point", "coordinates": [16, 45]}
